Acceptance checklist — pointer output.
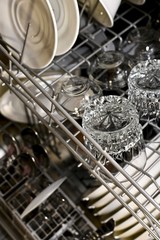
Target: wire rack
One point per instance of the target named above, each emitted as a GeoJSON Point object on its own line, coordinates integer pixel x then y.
{"type": "Point", "coordinates": [93, 38]}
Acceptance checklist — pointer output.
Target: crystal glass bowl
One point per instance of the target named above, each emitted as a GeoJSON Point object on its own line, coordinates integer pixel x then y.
{"type": "Point", "coordinates": [113, 122]}
{"type": "Point", "coordinates": [144, 89]}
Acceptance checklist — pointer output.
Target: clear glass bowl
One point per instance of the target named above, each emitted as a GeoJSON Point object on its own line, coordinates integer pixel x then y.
{"type": "Point", "coordinates": [110, 70]}
{"type": "Point", "coordinates": [113, 122]}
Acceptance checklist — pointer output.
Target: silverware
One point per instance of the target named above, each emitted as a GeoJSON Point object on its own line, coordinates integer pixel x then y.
{"type": "Point", "coordinates": [26, 164]}
{"type": "Point", "coordinates": [11, 147]}
{"type": "Point", "coordinates": [42, 196]}
{"type": "Point", "coordinates": [41, 156]}
{"type": "Point", "coordinates": [30, 137]}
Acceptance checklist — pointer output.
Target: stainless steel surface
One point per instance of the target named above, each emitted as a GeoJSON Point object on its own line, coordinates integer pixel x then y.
{"type": "Point", "coordinates": [92, 39]}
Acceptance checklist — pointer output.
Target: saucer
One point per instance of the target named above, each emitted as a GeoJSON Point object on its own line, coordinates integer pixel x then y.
{"type": "Point", "coordinates": [29, 27]}
{"type": "Point", "coordinates": [68, 22]}
{"type": "Point", "coordinates": [103, 12]}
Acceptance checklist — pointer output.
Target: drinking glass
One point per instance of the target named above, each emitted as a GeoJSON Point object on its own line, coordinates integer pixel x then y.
{"type": "Point", "coordinates": [144, 89]}
{"type": "Point", "coordinates": [113, 122]}
{"type": "Point", "coordinates": [141, 44]}
{"type": "Point", "coordinates": [110, 70]}
{"type": "Point", "coordinates": [74, 92]}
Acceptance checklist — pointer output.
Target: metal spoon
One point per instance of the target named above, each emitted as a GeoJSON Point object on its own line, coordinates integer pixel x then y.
{"type": "Point", "coordinates": [11, 143]}
{"type": "Point", "coordinates": [30, 137]}
{"type": "Point", "coordinates": [41, 156]}
{"type": "Point", "coordinates": [26, 164]}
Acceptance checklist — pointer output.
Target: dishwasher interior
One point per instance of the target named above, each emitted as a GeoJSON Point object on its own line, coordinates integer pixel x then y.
{"type": "Point", "coordinates": [72, 211]}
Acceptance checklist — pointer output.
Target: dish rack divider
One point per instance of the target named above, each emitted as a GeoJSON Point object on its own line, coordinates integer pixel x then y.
{"type": "Point", "coordinates": [80, 56]}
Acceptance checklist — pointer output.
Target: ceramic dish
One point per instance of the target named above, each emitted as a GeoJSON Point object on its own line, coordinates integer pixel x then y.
{"type": "Point", "coordinates": [96, 194]}
{"type": "Point", "coordinates": [68, 20]}
{"type": "Point", "coordinates": [132, 220]}
{"type": "Point", "coordinates": [137, 2]}
{"type": "Point", "coordinates": [115, 204]}
{"type": "Point", "coordinates": [10, 103]}
{"type": "Point", "coordinates": [35, 21]}
{"type": "Point", "coordinates": [103, 10]}
{"type": "Point", "coordinates": [109, 197]}
{"type": "Point", "coordinates": [122, 213]}
{"type": "Point", "coordinates": [101, 191]}
{"type": "Point", "coordinates": [143, 182]}
{"type": "Point", "coordinates": [145, 236]}
{"type": "Point", "coordinates": [137, 228]}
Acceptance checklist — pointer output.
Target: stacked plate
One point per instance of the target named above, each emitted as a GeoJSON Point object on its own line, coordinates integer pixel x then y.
{"type": "Point", "coordinates": [105, 206]}
{"type": "Point", "coordinates": [39, 30]}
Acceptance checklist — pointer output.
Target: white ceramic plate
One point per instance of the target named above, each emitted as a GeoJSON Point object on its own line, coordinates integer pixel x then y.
{"type": "Point", "coordinates": [101, 191]}
{"type": "Point", "coordinates": [145, 236]}
{"type": "Point", "coordinates": [41, 41]}
{"type": "Point", "coordinates": [103, 11]}
{"type": "Point", "coordinates": [137, 2]}
{"type": "Point", "coordinates": [95, 194]}
{"type": "Point", "coordinates": [13, 108]}
{"type": "Point", "coordinates": [143, 182]}
{"type": "Point", "coordinates": [132, 220]}
{"type": "Point", "coordinates": [123, 212]}
{"type": "Point", "coordinates": [68, 21]}
{"type": "Point", "coordinates": [115, 204]}
{"type": "Point", "coordinates": [137, 228]}
{"type": "Point", "coordinates": [109, 197]}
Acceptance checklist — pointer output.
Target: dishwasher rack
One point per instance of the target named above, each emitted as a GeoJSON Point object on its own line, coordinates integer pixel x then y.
{"type": "Point", "coordinates": [92, 39]}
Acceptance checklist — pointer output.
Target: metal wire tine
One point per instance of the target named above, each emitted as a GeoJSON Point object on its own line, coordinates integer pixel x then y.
{"type": "Point", "coordinates": [31, 119]}
{"type": "Point", "coordinates": [152, 225]}
{"type": "Point", "coordinates": [83, 8]}
{"type": "Point", "coordinates": [91, 14]}
{"type": "Point", "coordinates": [24, 44]}
{"type": "Point", "coordinates": [145, 173]}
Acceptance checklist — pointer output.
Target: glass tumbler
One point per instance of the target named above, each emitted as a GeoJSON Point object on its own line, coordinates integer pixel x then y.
{"type": "Point", "coordinates": [141, 44]}
{"type": "Point", "coordinates": [144, 90]}
{"type": "Point", "coordinates": [74, 92]}
{"type": "Point", "coordinates": [112, 121]}
{"type": "Point", "coordinates": [110, 70]}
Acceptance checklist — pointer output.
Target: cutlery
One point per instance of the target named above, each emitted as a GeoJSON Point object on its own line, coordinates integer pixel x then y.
{"type": "Point", "coordinates": [42, 196]}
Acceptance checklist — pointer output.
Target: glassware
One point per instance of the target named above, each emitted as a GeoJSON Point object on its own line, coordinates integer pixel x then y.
{"type": "Point", "coordinates": [110, 70]}
{"type": "Point", "coordinates": [75, 92]}
{"type": "Point", "coordinates": [112, 121]}
{"type": "Point", "coordinates": [144, 89]}
{"type": "Point", "coordinates": [142, 44]}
